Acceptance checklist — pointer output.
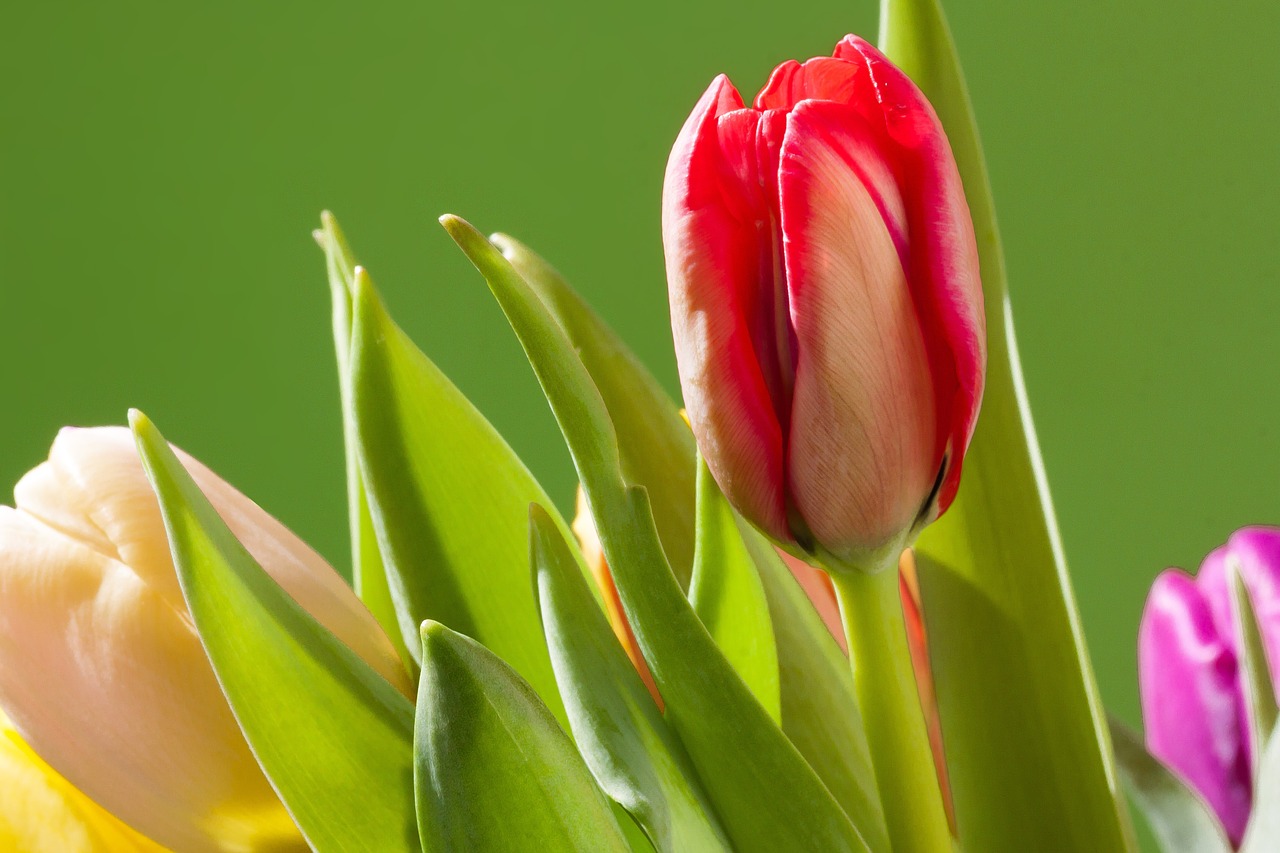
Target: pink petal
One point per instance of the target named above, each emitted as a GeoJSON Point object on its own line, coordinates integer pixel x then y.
{"type": "Point", "coordinates": [863, 449]}
{"type": "Point", "coordinates": [943, 268]}
{"type": "Point", "coordinates": [1190, 699]}
{"type": "Point", "coordinates": [713, 247]}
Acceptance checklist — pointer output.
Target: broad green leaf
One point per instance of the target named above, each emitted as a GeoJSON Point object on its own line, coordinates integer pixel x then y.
{"type": "Point", "coordinates": [657, 446]}
{"type": "Point", "coordinates": [334, 738]}
{"type": "Point", "coordinates": [493, 770]}
{"type": "Point", "coordinates": [998, 604]}
{"type": "Point", "coordinates": [1180, 820]}
{"type": "Point", "coordinates": [619, 731]}
{"type": "Point", "coordinates": [448, 497]}
{"type": "Point", "coordinates": [1259, 694]}
{"type": "Point", "coordinates": [819, 707]}
{"type": "Point", "coordinates": [1262, 835]}
{"type": "Point", "coordinates": [819, 712]}
{"type": "Point", "coordinates": [728, 596]}
{"type": "Point", "coordinates": [765, 794]}
{"type": "Point", "coordinates": [368, 574]}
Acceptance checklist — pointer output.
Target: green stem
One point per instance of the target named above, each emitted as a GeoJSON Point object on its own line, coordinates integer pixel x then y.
{"type": "Point", "coordinates": [871, 608]}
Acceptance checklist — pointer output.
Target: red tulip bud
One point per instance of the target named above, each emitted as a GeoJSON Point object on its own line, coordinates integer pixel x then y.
{"type": "Point", "coordinates": [825, 303]}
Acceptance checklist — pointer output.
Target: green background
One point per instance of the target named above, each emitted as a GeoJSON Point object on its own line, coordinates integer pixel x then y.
{"type": "Point", "coordinates": [161, 166]}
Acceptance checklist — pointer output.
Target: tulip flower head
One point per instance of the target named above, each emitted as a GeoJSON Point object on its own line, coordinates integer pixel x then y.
{"type": "Point", "coordinates": [826, 304]}
{"type": "Point", "coordinates": [1193, 700]}
{"type": "Point", "coordinates": [101, 669]}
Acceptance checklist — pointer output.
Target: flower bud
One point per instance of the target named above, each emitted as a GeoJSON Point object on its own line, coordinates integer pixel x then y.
{"type": "Point", "coordinates": [101, 668]}
{"type": "Point", "coordinates": [825, 303]}
{"type": "Point", "coordinates": [1193, 701]}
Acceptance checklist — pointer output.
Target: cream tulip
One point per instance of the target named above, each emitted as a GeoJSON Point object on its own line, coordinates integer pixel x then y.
{"type": "Point", "coordinates": [101, 669]}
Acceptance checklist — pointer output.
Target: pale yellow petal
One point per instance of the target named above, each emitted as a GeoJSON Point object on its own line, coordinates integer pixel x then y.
{"type": "Point", "coordinates": [41, 812]}
{"type": "Point", "coordinates": [108, 683]}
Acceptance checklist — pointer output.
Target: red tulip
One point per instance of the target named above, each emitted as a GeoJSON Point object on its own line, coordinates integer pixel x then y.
{"type": "Point", "coordinates": [825, 303]}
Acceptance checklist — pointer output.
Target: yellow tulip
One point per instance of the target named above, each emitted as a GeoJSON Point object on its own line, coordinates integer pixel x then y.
{"type": "Point", "coordinates": [101, 669]}
{"type": "Point", "coordinates": [42, 811]}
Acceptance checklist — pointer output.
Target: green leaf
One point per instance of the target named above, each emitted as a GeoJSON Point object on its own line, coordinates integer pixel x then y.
{"type": "Point", "coordinates": [728, 596]}
{"type": "Point", "coordinates": [997, 599]}
{"type": "Point", "coordinates": [1259, 694]}
{"type": "Point", "coordinates": [493, 770]}
{"type": "Point", "coordinates": [1179, 818]}
{"type": "Point", "coordinates": [819, 706]}
{"type": "Point", "coordinates": [766, 795]}
{"type": "Point", "coordinates": [657, 446]}
{"type": "Point", "coordinates": [1262, 835]}
{"type": "Point", "coordinates": [449, 499]}
{"type": "Point", "coordinates": [819, 712]}
{"type": "Point", "coordinates": [619, 731]}
{"type": "Point", "coordinates": [368, 574]}
{"type": "Point", "coordinates": [334, 738]}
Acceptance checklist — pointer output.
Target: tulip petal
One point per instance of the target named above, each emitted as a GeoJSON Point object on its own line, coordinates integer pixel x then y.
{"type": "Point", "coordinates": [712, 270]}
{"type": "Point", "coordinates": [862, 451]}
{"type": "Point", "coordinates": [40, 810]}
{"type": "Point", "coordinates": [1190, 698]}
{"type": "Point", "coordinates": [823, 78]}
{"type": "Point", "coordinates": [943, 272]}
{"type": "Point", "coordinates": [1256, 553]}
{"type": "Point", "coordinates": [93, 489]}
{"type": "Point", "coordinates": [109, 684]}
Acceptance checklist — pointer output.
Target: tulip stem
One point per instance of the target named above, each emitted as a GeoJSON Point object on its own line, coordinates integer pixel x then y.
{"type": "Point", "coordinates": [871, 608]}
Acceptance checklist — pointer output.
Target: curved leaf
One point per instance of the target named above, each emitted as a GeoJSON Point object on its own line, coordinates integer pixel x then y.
{"type": "Point", "coordinates": [766, 795]}
{"type": "Point", "coordinates": [618, 728]}
{"type": "Point", "coordinates": [1181, 821]}
{"type": "Point", "coordinates": [728, 596]}
{"type": "Point", "coordinates": [997, 599]}
{"type": "Point", "coordinates": [657, 446]}
{"type": "Point", "coordinates": [367, 572]}
{"type": "Point", "coordinates": [448, 497]}
{"type": "Point", "coordinates": [334, 738]}
{"type": "Point", "coordinates": [493, 770]}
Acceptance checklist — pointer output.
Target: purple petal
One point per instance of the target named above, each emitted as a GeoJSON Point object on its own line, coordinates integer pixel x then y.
{"type": "Point", "coordinates": [1190, 697]}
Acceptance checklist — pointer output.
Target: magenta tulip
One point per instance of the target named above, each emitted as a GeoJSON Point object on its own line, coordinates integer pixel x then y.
{"type": "Point", "coordinates": [826, 304]}
{"type": "Point", "coordinates": [1193, 702]}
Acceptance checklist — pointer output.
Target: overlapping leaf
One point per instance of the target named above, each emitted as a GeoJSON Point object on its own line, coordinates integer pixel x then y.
{"type": "Point", "coordinates": [1036, 773]}
{"type": "Point", "coordinates": [766, 795]}
{"type": "Point", "coordinates": [332, 735]}
{"type": "Point", "coordinates": [368, 573]}
{"type": "Point", "coordinates": [448, 498]}
{"type": "Point", "coordinates": [819, 712]}
{"type": "Point", "coordinates": [728, 596]}
{"type": "Point", "coordinates": [493, 770]}
{"type": "Point", "coordinates": [619, 731]}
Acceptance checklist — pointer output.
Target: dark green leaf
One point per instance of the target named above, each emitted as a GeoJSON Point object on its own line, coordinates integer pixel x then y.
{"type": "Point", "coordinates": [493, 770]}
{"type": "Point", "coordinates": [334, 738]}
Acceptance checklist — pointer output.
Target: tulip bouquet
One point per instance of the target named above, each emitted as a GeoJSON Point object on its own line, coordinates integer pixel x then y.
{"type": "Point", "coordinates": [781, 620]}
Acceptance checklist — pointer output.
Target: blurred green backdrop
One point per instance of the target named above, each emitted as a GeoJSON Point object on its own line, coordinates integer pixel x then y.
{"type": "Point", "coordinates": [162, 164]}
